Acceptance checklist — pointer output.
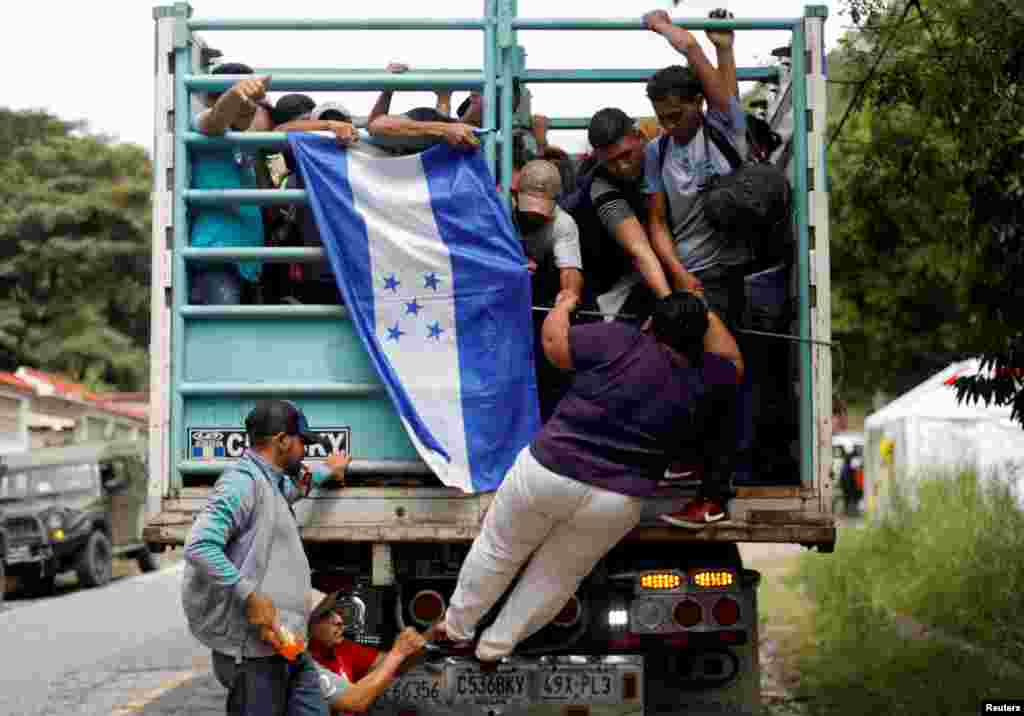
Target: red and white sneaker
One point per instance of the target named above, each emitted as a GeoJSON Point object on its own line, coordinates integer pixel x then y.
{"type": "Point", "coordinates": [697, 514]}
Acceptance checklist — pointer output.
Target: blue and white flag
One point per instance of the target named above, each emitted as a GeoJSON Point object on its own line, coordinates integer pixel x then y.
{"type": "Point", "coordinates": [436, 280]}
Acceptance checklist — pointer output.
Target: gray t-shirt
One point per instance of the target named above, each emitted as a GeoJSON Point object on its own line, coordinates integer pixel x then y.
{"type": "Point", "coordinates": [686, 169]}
{"type": "Point", "coordinates": [560, 237]}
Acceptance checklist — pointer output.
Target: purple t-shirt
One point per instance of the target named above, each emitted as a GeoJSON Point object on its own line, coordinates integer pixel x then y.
{"type": "Point", "coordinates": [627, 408]}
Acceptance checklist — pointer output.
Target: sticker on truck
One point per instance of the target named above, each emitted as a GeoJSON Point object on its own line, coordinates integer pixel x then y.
{"type": "Point", "coordinates": [210, 444]}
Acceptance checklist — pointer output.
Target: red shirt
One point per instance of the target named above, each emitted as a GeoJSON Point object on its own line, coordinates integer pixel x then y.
{"type": "Point", "coordinates": [348, 658]}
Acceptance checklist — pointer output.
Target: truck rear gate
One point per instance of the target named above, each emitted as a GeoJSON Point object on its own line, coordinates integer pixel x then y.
{"type": "Point", "coordinates": [212, 363]}
{"type": "Point", "coordinates": [656, 628]}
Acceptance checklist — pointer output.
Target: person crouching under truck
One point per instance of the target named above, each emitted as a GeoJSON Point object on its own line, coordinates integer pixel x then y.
{"type": "Point", "coordinates": [353, 676]}
{"type": "Point", "coordinates": [578, 488]}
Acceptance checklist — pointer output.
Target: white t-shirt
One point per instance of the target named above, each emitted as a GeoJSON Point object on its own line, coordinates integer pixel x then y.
{"type": "Point", "coordinates": [331, 685]}
{"type": "Point", "coordinates": [559, 236]}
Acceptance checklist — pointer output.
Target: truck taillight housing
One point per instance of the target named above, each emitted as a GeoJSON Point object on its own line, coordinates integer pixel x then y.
{"type": "Point", "coordinates": [660, 581]}
{"type": "Point", "coordinates": [688, 613]}
{"type": "Point", "coordinates": [427, 607]}
{"type": "Point", "coordinates": [726, 611]}
{"type": "Point", "coordinates": [713, 578]}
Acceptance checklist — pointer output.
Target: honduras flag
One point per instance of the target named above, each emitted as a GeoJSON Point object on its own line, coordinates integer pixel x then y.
{"type": "Point", "coordinates": [436, 281]}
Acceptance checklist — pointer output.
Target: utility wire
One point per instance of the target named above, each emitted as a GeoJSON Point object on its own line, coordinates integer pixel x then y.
{"type": "Point", "coordinates": [874, 68]}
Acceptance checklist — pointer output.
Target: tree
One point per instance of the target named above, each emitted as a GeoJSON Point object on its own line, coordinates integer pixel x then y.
{"type": "Point", "coordinates": [74, 251]}
{"type": "Point", "coordinates": [927, 193]}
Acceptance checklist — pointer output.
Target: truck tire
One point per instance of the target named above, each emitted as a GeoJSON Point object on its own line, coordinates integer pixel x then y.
{"type": "Point", "coordinates": [95, 561]}
{"type": "Point", "coordinates": [148, 562]}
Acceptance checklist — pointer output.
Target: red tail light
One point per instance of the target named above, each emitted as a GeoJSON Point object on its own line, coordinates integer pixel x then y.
{"type": "Point", "coordinates": [726, 611]}
{"type": "Point", "coordinates": [427, 607]}
{"type": "Point", "coordinates": [688, 613]}
{"type": "Point", "coordinates": [570, 614]}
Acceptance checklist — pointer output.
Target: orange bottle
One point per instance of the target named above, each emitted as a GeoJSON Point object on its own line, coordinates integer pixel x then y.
{"type": "Point", "coordinates": [288, 645]}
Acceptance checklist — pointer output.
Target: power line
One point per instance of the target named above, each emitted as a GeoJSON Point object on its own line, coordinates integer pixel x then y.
{"type": "Point", "coordinates": [874, 68]}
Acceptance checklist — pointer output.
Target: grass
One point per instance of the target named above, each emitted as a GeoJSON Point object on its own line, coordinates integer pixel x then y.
{"type": "Point", "coordinates": [953, 561]}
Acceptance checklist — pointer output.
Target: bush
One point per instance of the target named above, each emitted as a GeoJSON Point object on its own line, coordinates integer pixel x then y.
{"type": "Point", "coordinates": [951, 559]}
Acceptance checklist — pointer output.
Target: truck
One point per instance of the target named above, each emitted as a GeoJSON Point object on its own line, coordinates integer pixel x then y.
{"type": "Point", "coordinates": [668, 620]}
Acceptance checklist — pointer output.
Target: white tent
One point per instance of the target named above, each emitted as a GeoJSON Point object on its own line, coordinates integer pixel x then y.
{"type": "Point", "coordinates": [929, 429]}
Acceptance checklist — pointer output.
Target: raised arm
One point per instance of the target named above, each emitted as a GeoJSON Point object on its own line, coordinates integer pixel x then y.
{"type": "Point", "coordinates": [724, 40]}
{"type": "Point", "coordinates": [234, 108]}
{"type": "Point", "coordinates": [455, 133]}
{"type": "Point", "coordinates": [715, 91]}
{"type": "Point", "coordinates": [343, 131]}
{"type": "Point", "coordinates": [383, 104]}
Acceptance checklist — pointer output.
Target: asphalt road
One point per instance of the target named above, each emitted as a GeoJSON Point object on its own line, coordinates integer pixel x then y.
{"type": "Point", "coordinates": [119, 650]}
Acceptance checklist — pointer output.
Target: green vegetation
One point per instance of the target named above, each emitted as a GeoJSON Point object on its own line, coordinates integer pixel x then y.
{"type": "Point", "coordinates": [74, 252]}
{"type": "Point", "coordinates": [951, 563]}
{"type": "Point", "coordinates": [928, 193]}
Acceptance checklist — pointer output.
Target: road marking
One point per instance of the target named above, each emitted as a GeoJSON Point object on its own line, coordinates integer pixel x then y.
{"type": "Point", "coordinates": [136, 706]}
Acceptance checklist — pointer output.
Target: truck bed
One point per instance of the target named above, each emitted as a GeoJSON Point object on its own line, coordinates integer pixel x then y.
{"type": "Point", "coordinates": [423, 514]}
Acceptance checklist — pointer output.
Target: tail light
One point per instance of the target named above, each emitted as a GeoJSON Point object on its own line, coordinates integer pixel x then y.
{"type": "Point", "coordinates": [427, 607]}
{"type": "Point", "coordinates": [713, 578]}
{"type": "Point", "coordinates": [726, 611]}
{"type": "Point", "coordinates": [660, 581]}
{"type": "Point", "coordinates": [649, 614]}
{"type": "Point", "coordinates": [570, 614]}
{"type": "Point", "coordinates": [688, 613]}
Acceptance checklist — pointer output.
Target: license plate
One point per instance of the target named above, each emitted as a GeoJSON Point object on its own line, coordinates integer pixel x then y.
{"type": "Point", "coordinates": [417, 686]}
{"type": "Point", "coordinates": [19, 554]}
{"type": "Point", "coordinates": [581, 685]}
{"type": "Point", "coordinates": [508, 685]}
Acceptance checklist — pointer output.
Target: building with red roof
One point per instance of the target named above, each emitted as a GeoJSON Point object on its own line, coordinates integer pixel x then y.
{"type": "Point", "coordinates": [40, 409]}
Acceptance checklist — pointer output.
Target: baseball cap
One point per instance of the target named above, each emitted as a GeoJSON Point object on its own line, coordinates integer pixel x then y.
{"type": "Point", "coordinates": [324, 607]}
{"type": "Point", "coordinates": [331, 110]}
{"type": "Point", "coordinates": [271, 417]}
{"type": "Point", "coordinates": [292, 106]}
{"type": "Point", "coordinates": [539, 184]}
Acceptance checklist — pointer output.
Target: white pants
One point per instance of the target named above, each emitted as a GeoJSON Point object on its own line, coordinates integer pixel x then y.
{"type": "Point", "coordinates": [567, 526]}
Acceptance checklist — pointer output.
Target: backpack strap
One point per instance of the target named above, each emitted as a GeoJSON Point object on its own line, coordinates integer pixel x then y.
{"type": "Point", "coordinates": [663, 147]}
{"type": "Point", "coordinates": [724, 145]}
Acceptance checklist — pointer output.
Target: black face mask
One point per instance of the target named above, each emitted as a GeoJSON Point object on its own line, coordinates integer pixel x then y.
{"type": "Point", "coordinates": [529, 222]}
{"type": "Point", "coordinates": [294, 468]}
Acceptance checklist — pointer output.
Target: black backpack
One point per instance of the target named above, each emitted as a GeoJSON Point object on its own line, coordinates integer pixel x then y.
{"type": "Point", "coordinates": [751, 204]}
{"type": "Point", "coordinates": [604, 260]}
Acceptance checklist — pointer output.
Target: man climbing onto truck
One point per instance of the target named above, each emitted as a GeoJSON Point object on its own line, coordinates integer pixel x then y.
{"type": "Point", "coordinates": [578, 488]}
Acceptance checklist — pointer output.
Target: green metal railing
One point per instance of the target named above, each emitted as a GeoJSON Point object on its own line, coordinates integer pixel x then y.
{"type": "Point", "coordinates": [503, 65]}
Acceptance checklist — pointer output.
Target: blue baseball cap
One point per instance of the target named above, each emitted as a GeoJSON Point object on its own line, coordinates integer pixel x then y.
{"type": "Point", "coordinates": [271, 417]}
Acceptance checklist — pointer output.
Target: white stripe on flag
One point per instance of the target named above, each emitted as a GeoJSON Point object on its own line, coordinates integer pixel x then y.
{"type": "Point", "coordinates": [414, 306]}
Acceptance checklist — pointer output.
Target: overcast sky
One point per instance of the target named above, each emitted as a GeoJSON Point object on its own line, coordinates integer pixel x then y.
{"type": "Point", "coordinates": [94, 61]}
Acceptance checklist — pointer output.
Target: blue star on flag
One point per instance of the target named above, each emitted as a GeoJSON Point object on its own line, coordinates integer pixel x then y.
{"type": "Point", "coordinates": [395, 333]}
{"type": "Point", "coordinates": [412, 307]}
{"type": "Point", "coordinates": [431, 281]}
{"type": "Point", "coordinates": [391, 283]}
{"type": "Point", "coordinates": [435, 331]}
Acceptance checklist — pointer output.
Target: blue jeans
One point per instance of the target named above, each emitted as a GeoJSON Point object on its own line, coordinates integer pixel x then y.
{"type": "Point", "coordinates": [272, 686]}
